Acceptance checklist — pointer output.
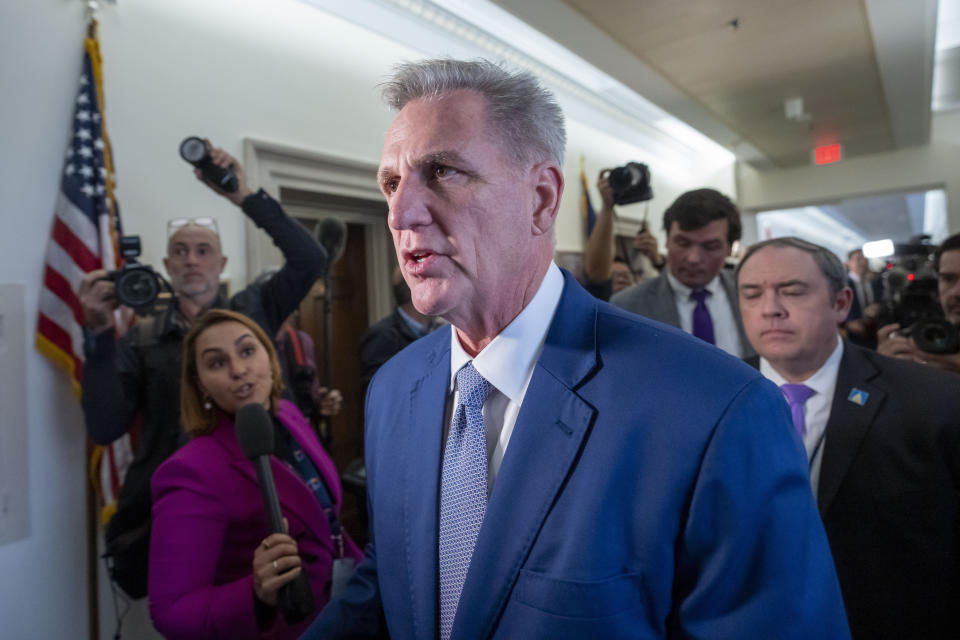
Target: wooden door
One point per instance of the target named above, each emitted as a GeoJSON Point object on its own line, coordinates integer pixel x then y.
{"type": "Point", "coordinates": [349, 319]}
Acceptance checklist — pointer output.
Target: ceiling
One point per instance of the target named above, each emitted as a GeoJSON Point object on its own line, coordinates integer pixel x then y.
{"type": "Point", "coordinates": [863, 68]}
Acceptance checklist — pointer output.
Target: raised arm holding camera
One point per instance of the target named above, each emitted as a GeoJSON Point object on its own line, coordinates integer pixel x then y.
{"type": "Point", "coordinates": [139, 373]}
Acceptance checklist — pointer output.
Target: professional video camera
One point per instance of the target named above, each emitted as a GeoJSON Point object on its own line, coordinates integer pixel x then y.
{"type": "Point", "coordinates": [137, 285]}
{"type": "Point", "coordinates": [630, 183]}
{"type": "Point", "coordinates": [910, 298]}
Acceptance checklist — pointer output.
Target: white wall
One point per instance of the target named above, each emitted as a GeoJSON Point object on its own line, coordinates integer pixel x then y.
{"type": "Point", "coordinates": [276, 70]}
{"type": "Point", "coordinates": [913, 169]}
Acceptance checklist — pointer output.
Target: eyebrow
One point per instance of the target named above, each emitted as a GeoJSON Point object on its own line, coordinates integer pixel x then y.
{"type": "Point", "coordinates": [779, 285]}
{"type": "Point", "coordinates": [235, 342]}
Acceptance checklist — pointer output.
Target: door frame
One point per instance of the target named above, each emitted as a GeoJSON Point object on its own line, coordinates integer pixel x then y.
{"type": "Point", "coordinates": [273, 166]}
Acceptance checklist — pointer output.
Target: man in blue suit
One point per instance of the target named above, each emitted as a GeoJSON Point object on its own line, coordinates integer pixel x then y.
{"type": "Point", "coordinates": [524, 480]}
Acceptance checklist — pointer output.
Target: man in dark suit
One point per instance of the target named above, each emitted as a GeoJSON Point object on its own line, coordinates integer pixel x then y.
{"type": "Point", "coordinates": [695, 293]}
{"type": "Point", "coordinates": [883, 440]}
{"type": "Point", "coordinates": [390, 335]}
{"type": "Point", "coordinates": [523, 482]}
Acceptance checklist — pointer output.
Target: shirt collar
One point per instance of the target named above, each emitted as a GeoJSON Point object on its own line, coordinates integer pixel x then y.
{"type": "Point", "coordinates": [682, 291]}
{"type": "Point", "coordinates": [507, 362]}
{"type": "Point", "coordinates": [823, 381]}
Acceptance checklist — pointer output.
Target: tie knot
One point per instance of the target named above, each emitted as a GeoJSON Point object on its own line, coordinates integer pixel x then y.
{"type": "Point", "coordinates": [472, 387]}
{"type": "Point", "coordinates": [699, 295]}
{"type": "Point", "coordinates": [796, 393]}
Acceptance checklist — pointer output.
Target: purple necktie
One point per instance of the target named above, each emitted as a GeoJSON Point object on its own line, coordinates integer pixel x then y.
{"type": "Point", "coordinates": [702, 322]}
{"type": "Point", "coordinates": [797, 395]}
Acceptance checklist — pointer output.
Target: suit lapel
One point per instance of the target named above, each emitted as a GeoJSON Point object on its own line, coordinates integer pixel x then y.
{"type": "Point", "coordinates": [729, 284]}
{"type": "Point", "coordinates": [848, 423]}
{"type": "Point", "coordinates": [547, 437]}
{"type": "Point", "coordinates": [666, 302]}
{"type": "Point", "coordinates": [421, 478]}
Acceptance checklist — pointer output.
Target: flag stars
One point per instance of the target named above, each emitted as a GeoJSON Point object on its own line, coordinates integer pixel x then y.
{"type": "Point", "coordinates": [98, 144]}
{"type": "Point", "coordinates": [95, 117]}
{"type": "Point", "coordinates": [83, 98]}
{"type": "Point", "coordinates": [84, 134]}
{"type": "Point", "coordinates": [87, 190]}
{"type": "Point", "coordinates": [84, 80]}
{"type": "Point", "coordinates": [86, 152]}
{"type": "Point", "coordinates": [69, 170]}
{"type": "Point", "coordinates": [103, 172]}
{"type": "Point", "coordinates": [83, 115]}
{"type": "Point", "coordinates": [86, 171]}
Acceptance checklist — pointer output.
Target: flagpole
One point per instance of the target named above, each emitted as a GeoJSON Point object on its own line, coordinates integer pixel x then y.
{"type": "Point", "coordinates": [93, 530]}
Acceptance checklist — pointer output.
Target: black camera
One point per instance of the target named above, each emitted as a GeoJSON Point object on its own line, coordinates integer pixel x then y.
{"type": "Point", "coordinates": [136, 285]}
{"type": "Point", "coordinates": [196, 151]}
{"type": "Point", "coordinates": [630, 183]}
{"type": "Point", "coordinates": [910, 298]}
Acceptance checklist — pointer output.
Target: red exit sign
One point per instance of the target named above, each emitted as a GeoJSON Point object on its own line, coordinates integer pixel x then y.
{"type": "Point", "coordinates": [828, 153]}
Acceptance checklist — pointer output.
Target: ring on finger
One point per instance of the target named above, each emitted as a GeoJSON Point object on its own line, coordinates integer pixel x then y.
{"type": "Point", "coordinates": [276, 566]}
{"type": "Point", "coordinates": [266, 545]}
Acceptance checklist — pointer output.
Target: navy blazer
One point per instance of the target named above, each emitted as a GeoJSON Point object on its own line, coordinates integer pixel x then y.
{"type": "Point", "coordinates": [670, 503]}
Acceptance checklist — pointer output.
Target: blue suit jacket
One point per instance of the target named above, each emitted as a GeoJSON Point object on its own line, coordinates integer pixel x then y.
{"type": "Point", "coordinates": [670, 504]}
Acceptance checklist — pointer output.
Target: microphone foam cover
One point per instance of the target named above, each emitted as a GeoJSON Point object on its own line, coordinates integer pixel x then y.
{"type": "Point", "coordinates": [254, 430]}
{"type": "Point", "coordinates": [332, 236]}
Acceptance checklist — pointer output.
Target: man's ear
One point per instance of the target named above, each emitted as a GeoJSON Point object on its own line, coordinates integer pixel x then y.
{"type": "Point", "coordinates": [548, 189]}
{"type": "Point", "coordinates": [843, 302]}
{"type": "Point", "coordinates": [223, 263]}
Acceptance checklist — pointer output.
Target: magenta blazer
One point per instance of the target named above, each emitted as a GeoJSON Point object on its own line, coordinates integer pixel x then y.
{"type": "Point", "coordinates": [208, 518]}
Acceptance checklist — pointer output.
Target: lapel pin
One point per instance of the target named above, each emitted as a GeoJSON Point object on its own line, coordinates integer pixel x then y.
{"type": "Point", "coordinates": [858, 396]}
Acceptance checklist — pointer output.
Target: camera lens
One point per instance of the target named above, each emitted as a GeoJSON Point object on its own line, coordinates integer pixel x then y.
{"type": "Point", "coordinates": [137, 288]}
{"type": "Point", "coordinates": [193, 149]}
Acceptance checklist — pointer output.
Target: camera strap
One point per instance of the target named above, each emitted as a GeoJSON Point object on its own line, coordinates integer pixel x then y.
{"type": "Point", "coordinates": [297, 346]}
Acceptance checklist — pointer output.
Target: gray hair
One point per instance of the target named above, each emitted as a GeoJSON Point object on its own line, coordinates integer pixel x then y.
{"type": "Point", "coordinates": [524, 114]}
{"type": "Point", "coordinates": [829, 264]}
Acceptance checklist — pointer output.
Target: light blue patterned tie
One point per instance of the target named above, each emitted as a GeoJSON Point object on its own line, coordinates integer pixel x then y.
{"type": "Point", "coordinates": [463, 490]}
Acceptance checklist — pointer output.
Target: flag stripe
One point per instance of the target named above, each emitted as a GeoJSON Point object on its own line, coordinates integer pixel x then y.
{"type": "Point", "coordinates": [61, 314]}
{"type": "Point", "coordinates": [60, 339]}
{"type": "Point", "coordinates": [61, 288]}
{"type": "Point", "coordinates": [80, 224]}
{"type": "Point", "coordinates": [62, 262]}
{"type": "Point", "coordinates": [63, 236]}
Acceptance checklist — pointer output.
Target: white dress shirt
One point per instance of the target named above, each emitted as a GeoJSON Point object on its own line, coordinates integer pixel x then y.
{"type": "Point", "coordinates": [725, 330]}
{"type": "Point", "coordinates": [507, 363]}
{"type": "Point", "coordinates": [817, 407]}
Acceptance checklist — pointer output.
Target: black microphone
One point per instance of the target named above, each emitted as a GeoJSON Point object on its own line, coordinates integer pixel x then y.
{"type": "Point", "coordinates": [332, 236]}
{"type": "Point", "coordinates": [254, 429]}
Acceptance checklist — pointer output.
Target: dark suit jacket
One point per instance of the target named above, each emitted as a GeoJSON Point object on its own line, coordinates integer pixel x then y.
{"type": "Point", "coordinates": [655, 299]}
{"type": "Point", "coordinates": [383, 340]}
{"type": "Point", "coordinates": [675, 505]}
{"type": "Point", "coordinates": [889, 496]}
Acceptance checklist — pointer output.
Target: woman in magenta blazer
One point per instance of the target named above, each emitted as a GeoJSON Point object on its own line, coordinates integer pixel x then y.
{"type": "Point", "coordinates": [215, 567]}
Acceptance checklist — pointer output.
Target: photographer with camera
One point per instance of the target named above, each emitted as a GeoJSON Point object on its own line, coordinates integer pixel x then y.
{"type": "Point", "coordinates": [936, 343]}
{"type": "Point", "coordinates": [694, 292]}
{"type": "Point", "coordinates": [607, 275]}
{"type": "Point", "coordinates": [138, 374]}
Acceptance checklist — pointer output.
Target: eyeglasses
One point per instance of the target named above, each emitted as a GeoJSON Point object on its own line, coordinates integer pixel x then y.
{"type": "Point", "coordinates": [178, 223]}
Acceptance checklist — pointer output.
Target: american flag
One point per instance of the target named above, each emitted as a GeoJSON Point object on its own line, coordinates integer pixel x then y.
{"type": "Point", "coordinates": [86, 226]}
